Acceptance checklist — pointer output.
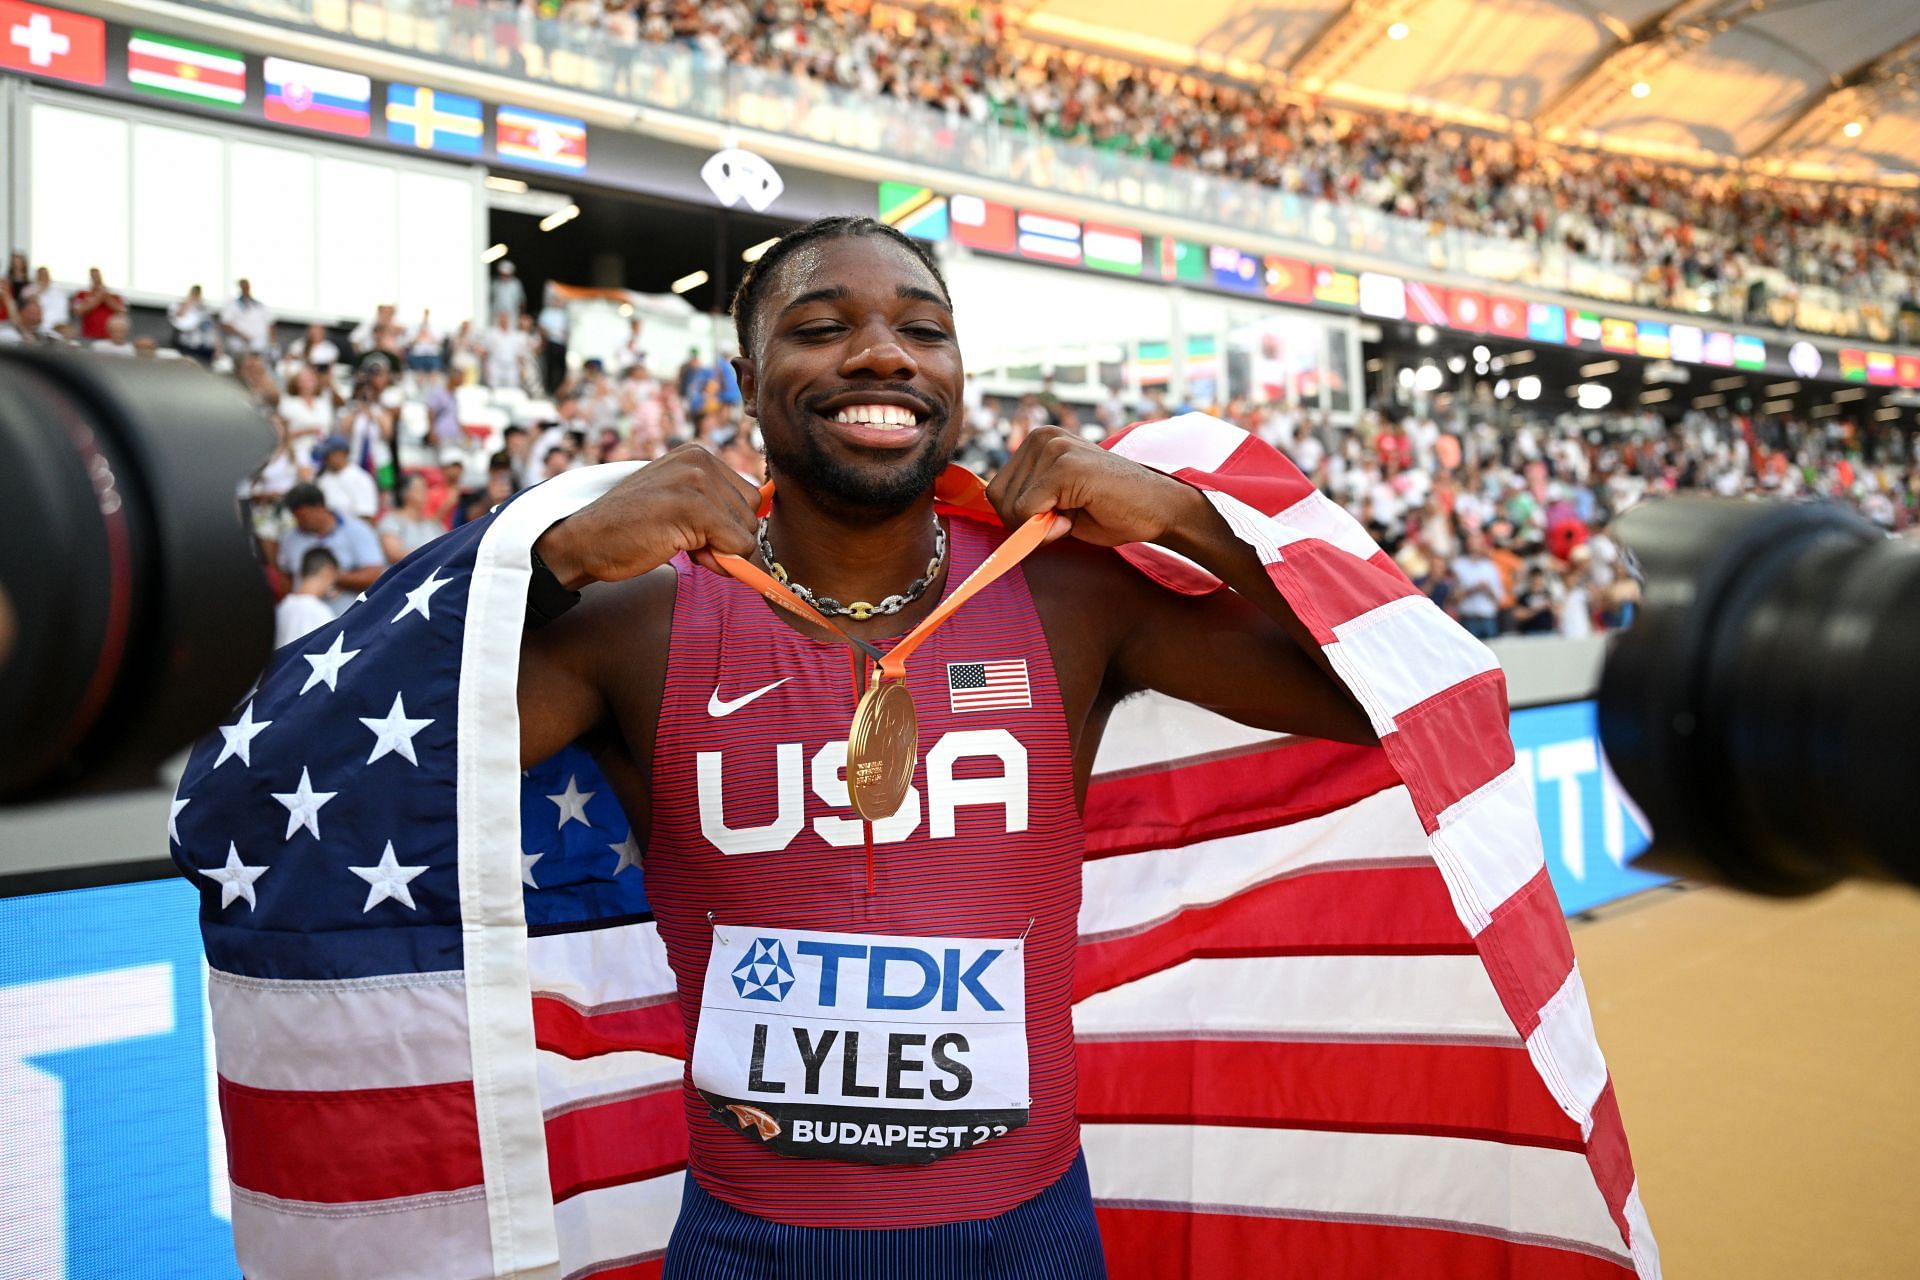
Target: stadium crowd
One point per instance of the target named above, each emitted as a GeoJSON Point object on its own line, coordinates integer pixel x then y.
{"type": "Point", "coordinates": [393, 431]}
{"type": "Point", "coordinates": [1678, 230]}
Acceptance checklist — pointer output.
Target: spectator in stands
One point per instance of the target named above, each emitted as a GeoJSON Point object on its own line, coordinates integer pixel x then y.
{"type": "Point", "coordinates": [307, 607]}
{"type": "Point", "coordinates": [365, 337]}
{"type": "Point", "coordinates": [352, 541]}
{"type": "Point", "coordinates": [633, 348]}
{"type": "Point", "coordinates": [553, 343]}
{"type": "Point", "coordinates": [443, 410]}
{"type": "Point", "coordinates": [119, 339]}
{"type": "Point", "coordinates": [1535, 609]}
{"type": "Point", "coordinates": [424, 347]}
{"type": "Point", "coordinates": [18, 276]}
{"type": "Point", "coordinates": [193, 332]}
{"type": "Point", "coordinates": [56, 304]}
{"type": "Point", "coordinates": [247, 323]}
{"type": "Point", "coordinates": [516, 453]}
{"type": "Point", "coordinates": [309, 408]}
{"type": "Point", "coordinates": [372, 417]}
{"type": "Point", "coordinates": [507, 293]}
{"type": "Point", "coordinates": [532, 361]}
{"type": "Point", "coordinates": [348, 489]}
{"type": "Point", "coordinates": [316, 348]}
{"type": "Point", "coordinates": [1477, 581]}
{"type": "Point", "coordinates": [411, 525]}
{"type": "Point", "coordinates": [504, 346]}
{"type": "Point", "coordinates": [95, 305]}
{"type": "Point", "coordinates": [501, 485]}
{"type": "Point", "coordinates": [23, 325]}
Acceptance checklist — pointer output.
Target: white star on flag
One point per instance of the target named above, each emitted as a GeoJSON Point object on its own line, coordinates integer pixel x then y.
{"type": "Point", "coordinates": [395, 733]}
{"type": "Point", "coordinates": [629, 851]}
{"type": "Point", "coordinates": [239, 738]}
{"type": "Point", "coordinates": [526, 868]}
{"type": "Point", "coordinates": [326, 666]}
{"type": "Point", "coordinates": [387, 879]}
{"type": "Point", "coordinates": [418, 597]}
{"type": "Point", "coordinates": [303, 806]}
{"type": "Point", "coordinates": [173, 817]}
{"type": "Point", "coordinates": [235, 879]}
{"type": "Point", "coordinates": [573, 803]}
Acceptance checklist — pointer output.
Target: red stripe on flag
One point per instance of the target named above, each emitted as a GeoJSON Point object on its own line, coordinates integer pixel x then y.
{"type": "Point", "coordinates": [1452, 744]}
{"type": "Point", "coordinates": [1370, 911]}
{"type": "Point", "coordinates": [620, 1141]}
{"type": "Point", "coordinates": [1170, 805]}
{"type": "Point", "coordinates": [559, 1027]}
{"type": "Point", "coordinates": [1527, 950]}
{"type": "Point", "coordinates": [1148, 1244]}
{"type": "Point", "coordinates": [1609, 1158]}
{"type": "Point", "coordinates": [1344, 588]}
{"type": "Point", "coordinates": [1454, 1091]}
{"type": "Point", "coordinates": [350, 1145]}
{"type": "Point", "coordinates": [1258, 487]}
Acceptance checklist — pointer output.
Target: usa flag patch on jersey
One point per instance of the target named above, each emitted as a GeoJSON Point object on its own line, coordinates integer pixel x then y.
{"type": "Point", "coordinates": [988, 686]}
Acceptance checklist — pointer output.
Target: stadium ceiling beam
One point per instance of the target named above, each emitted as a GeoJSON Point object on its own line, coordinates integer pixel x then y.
{"type": "Point", "coordinates": [1637, 52]}
{"type": "Point", "coordinates": [1352, 29]}
{"type": "Point", "coordinates": [1851, 95]}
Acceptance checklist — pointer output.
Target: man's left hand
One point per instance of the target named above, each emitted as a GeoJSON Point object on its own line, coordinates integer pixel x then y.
{"type": "Point", "coordinates": [1103, 498]}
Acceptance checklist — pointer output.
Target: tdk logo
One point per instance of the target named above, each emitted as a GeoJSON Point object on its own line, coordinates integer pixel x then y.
{"type": "Point", "coordinates": [900, 978]}
{"type": "Point", "coordinates": [764, 973]}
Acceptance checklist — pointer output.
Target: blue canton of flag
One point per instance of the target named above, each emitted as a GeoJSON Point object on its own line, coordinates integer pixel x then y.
{"type": "Point", "coordinates": [434, 120]}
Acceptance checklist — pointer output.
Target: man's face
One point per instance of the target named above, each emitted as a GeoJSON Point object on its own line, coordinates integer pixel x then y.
{"type": "Point", "coordinates": [336, 460]}
{"type": "Point", "coordinates": [246, 288]}
{"type": "Point", "coordinates": [315, 519]}
{"type": "Point", "coordinates": [93, 277]}
{"type": "Point", "coordinates": [852, 334]}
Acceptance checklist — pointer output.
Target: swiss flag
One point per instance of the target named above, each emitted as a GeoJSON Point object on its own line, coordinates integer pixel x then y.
{"type": "Point", "coordinates": [52, 42]}
{"type": "Point", "coordinates": [1506, 317]}
{"type": "Point", "coordinates": [1468, 310]}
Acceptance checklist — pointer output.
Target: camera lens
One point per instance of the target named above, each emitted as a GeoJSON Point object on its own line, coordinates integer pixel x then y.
{"type": "Point", "coordinates": [139, 610]}
{"type": "Point", "coordinates": [1762, 707]}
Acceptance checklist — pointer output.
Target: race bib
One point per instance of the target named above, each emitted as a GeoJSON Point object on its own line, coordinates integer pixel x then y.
{"type": "Point", "coordinates": [869, 1047]}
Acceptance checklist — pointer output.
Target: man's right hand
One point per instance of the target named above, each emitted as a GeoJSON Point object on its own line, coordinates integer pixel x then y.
{"type": "Point", "coordinates": [687, 501]}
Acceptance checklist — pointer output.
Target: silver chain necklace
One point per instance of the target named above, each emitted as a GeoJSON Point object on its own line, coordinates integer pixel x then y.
{"type": "Point", "coordinates": [859, 610]}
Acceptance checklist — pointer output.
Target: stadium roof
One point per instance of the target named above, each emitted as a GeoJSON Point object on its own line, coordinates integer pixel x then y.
{"type": "Point", "coordinates": [1822, 88]}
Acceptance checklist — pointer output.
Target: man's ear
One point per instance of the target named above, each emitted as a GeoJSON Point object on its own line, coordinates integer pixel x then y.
{"type": "Point", "coordinates": [749, 379]}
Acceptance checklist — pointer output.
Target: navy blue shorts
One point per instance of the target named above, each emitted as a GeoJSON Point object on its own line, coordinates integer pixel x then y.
{"type": "Point", "coordinates": [1053, 1236]}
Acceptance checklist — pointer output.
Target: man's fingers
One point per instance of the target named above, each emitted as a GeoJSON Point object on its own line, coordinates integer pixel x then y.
{"type": "Point", "coordinates": [1062, 526]}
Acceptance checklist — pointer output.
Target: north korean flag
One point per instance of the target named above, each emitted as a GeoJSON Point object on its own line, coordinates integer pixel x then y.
{"type": "Point", "coordinates": [52, 42]}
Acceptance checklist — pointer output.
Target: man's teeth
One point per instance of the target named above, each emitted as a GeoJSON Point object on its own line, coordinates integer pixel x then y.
{"type": "Point", "coordinates": [876, 415]}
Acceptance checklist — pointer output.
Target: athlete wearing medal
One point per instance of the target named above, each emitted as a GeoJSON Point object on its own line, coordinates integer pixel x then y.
{"type": "Point", "coordinates": [880, 1043]}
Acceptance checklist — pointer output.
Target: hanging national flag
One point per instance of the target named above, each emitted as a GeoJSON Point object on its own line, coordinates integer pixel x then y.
{"type": "Point", "coordinates": [546, 141]}
{"type": "Point", "coordinates": [434, 120]}
{"type": "Point", "coordinates": [1652, 341]}
{"type": "Point", "coordinates": [988, 686]}
{"type": "Point", "coordinates": [310, 97]}
{"type": "Point", "coordinates": [1049, 238]}
{"type": "Point", "coordinates": [1426, 303]}
{"type": "Point", "coordinates": [1584, 327]}
{"type": "Point", "coordinates": [1180, 260]}
{"type": "Point", "coordinates": [1114, 249]}
{"type": "Point", "coordinates": [1232, 269]}
{"type": "Point", "coordinates": [1619, 335]}
{"type": "Point", "coordinates": [1335, 288]}
{"type": "Point", "coordinates": [1853, 365]}
{"type": "Point", "coordinates": [52, 42]}
{"type": "Point", "coordinates": [1880, 368]}
{"type": "Point", "coordinates": [1506, 317]}
{"type": "Point", "coordinates": [1751, 353]}
{"type": "Point", "coordinates": [1686, 342]}
{"type": "Point", "coordinates": [1467, 310]}
{"type": "Point", "coordinates": [917, 211]}
{"type": "Point", "coordinates": [1287, 280]}
{"type": "Point", "coordinates": [1383, 295]}
{"type": "Point", "coordinates": [1718, 348]}
{"type": "Point", "coordinates": [185, 69]}
{"type": "Point", "coordinates": [983, 224]}
{"type": "Point", "coordinates": [1907, 370]}
{"type": "Point", "coordinates": [1547, 322]}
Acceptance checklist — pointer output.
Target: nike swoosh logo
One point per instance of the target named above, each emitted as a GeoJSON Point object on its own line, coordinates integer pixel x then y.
{"type": "Point", "coordinates": [716, 708]}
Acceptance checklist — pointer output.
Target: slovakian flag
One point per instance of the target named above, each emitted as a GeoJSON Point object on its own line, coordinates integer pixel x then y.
{"type": "Point", "coordinates": [319, 98]}
{"type": "Point", "coordinates": [538, 138]}
{"type": "Point", "coordinates": [186, 69]}
{"type": "Point", "coordinates": [1327, 1014]}
{"type": "Point", "coordinates": [435, 120]}
{"type": "Point", "coordinates": [52, 42]}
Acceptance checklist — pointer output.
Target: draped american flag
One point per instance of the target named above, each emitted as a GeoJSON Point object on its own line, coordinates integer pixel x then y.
{"type": "Point", "coordinates": [1328, 1014]}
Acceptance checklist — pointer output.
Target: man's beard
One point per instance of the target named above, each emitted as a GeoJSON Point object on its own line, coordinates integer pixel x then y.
{"type": "Point", "coordinates": [862, 494]}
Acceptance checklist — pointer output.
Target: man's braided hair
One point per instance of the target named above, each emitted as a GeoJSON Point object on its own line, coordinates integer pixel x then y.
{"type": "Point", "coordinates": [753, 286]}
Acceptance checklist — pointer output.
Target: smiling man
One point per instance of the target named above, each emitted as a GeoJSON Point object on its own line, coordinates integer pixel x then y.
{"type": "Point", "coordinates": [881, 1070]}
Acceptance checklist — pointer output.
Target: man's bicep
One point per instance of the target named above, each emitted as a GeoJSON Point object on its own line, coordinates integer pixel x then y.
{"type": "Point", "coordinates": [1223, 652]}
{"type": "Point", "coordinates": [559, 697]}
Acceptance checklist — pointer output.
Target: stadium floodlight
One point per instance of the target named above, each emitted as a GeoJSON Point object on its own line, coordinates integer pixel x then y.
{"type": "Point", "coordinates": [1592, 395]}
{"type": "Point", "coordinates": [1481, 355]}
{"type": "Point", "coordinates": [512, 186]}
{"type": "Point", "coordinates": [1599, 368]}
{"type": "Point", "coordinates": [1501, 388]}
{"type": "Point", "coordinates": [1456, 364]}
{"type": "Point", "coordinates": [753, 253]}
{"type": "Point", "coordinates": [494, 253]}
{"type": "Point", "coordinates": [560, 217]}
{"type": "Point", "coordinates": [693, 280]}
{"type": "Point", "coordinates": [1425, 335]}
{"type": "Point", "coordinates": [1527, 388]}
{"type": "Point", "coordinates": [1428, 378]}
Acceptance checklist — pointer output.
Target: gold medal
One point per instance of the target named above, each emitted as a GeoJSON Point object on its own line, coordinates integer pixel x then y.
{"type": "Point", "coordinates": [883, 746]}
